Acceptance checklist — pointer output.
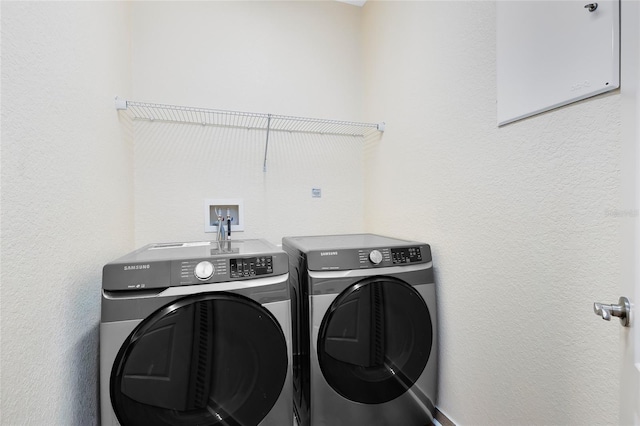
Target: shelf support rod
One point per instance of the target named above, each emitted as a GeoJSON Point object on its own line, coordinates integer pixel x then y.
{"type": "Point", "coordinates": [266, 145]}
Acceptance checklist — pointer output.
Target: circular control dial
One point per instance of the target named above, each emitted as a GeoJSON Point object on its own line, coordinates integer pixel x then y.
{"type": "Point", "coordinates": [375, 256]}
{"type": "Point", "coordinates": [204, 270]}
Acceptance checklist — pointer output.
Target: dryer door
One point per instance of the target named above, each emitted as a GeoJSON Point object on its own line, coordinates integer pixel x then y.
{"type": "Point", "coordinates": [206, 359]}
{"type": "Point", "coordinates": [375, 340]}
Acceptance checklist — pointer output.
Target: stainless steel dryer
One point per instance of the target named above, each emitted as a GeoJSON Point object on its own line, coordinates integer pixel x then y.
{"type": "Point", "coordinates": [364, 330]}
{"type": "Point", "coordinates": [196, 334]}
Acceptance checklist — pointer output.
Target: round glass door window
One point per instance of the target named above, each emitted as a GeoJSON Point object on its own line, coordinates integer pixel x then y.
{"type": "Point", "coordinates": [375, 340]}
{"type": "Point", "coordinates": [207, 359]}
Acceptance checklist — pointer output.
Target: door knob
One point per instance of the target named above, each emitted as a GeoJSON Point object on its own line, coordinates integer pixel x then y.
{"type": "Point", "coordinates": [591, 7]}
{"type": "Point", "coordinates": [622, 310]}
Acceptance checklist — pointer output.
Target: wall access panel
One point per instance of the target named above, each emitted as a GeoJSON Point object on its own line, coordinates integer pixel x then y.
{"type": "Point", "coordinates": [552, 53]}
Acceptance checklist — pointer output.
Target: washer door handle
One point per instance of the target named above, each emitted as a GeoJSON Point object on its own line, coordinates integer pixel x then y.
{"type": "Point", "coordinates": [622, 310]}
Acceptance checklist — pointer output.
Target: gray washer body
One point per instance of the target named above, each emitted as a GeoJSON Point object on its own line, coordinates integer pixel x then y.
{"type": "Point", "coordinates": [141, 282]}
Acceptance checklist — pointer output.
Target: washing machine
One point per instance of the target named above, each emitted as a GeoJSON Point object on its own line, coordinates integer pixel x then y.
{"type": "Point", "coordinates": [197, 333]}
{"type": "Point", "coordinates": [364, 330]}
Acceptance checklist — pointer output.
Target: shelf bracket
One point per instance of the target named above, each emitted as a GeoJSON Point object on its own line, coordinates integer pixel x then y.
{"type": "Point", "coordinates": [120, 103]}
{"type": "Point", "coordinates": [266, 145]}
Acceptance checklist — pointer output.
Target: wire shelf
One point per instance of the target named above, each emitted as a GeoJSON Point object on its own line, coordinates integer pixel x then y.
{"type": "Point", "coordinates": [247, 120]}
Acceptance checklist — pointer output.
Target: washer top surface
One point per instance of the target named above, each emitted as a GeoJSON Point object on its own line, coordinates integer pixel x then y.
{"type": "Point", "coordinates": [201, 262]}
{"type": "Point", "coordinates": [199, 249]}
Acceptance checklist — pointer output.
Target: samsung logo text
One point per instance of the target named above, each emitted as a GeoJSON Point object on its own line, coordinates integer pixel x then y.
{"type": "Point", "coordinates": [328, 253]}
{"type": "Point", "coordinates": [134, 267]}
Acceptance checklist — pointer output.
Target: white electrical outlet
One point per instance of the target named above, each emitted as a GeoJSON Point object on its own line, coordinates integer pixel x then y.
{"type": "Point", "coordinates": [213, 206]}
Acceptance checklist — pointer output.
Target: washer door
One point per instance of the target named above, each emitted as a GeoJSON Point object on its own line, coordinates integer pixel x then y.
{"type": "Point", "coordinates": [375, 340]}
{"type": "Point", "coordinates": [206, 359]}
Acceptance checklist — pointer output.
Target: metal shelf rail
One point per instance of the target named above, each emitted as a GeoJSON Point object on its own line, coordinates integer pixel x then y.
{"type": "Point", "coordinates": [245, 120]}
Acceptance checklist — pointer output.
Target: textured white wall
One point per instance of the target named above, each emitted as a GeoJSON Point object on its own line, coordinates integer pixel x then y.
{"type": "Point", "coordinates": [67, 205]}
{"type": "Point", "coordinates": [522, 219]}
{"type": "Point", "coordinates": [294, 58]}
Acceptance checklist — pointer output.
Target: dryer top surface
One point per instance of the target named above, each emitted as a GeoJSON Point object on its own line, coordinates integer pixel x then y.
{"type": "Point", "coordinates": [349, 241]}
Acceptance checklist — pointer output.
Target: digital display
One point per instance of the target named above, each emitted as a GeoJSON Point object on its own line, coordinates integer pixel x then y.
{"type": "Point", "coordinates": [406, 255]}
{"type": "Point", "coordinates": [251, 266]}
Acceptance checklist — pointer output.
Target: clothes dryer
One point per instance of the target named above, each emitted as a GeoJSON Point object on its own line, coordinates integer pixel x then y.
{"type": "Point", "coordinates": [196, 334]}
{"type": "Point", "coordinates": [364, 330]}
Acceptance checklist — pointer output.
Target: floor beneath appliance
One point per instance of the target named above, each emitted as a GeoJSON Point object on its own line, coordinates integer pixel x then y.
{"type": "Point", "coordinates": [435, 422]}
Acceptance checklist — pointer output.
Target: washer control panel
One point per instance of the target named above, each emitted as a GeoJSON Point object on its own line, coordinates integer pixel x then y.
{"type": "Point", "coordinates": [217, 270]}
{"type": "Point", "coordinates": [160, 266]}
{"type": "Point", "coordinates": [204, 270]}
{"type": "Point", "coordinates": [197, 271]}
{"type": "Point", "coordinates": [251, 267]}
{"type": "Point", "coordinates": [375, 256]}
{"type": "Point", "coordinates": [229, 268]}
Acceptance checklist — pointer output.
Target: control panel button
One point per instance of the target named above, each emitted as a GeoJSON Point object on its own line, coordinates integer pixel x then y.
{"type": "Point", "coordinates": [204, 270]}
{"type": "Point", "coordinates": [375, 256]}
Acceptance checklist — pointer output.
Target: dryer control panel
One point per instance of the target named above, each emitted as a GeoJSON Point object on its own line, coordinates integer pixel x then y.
{"type": "Point", "coordinates": [406, 255]}
{"type": "Point", "coordinates": [355, 251]}
{"type": "Point", "coordinates": [389, 256]}
{"type": "Point", "coordinates": [379, 257]}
